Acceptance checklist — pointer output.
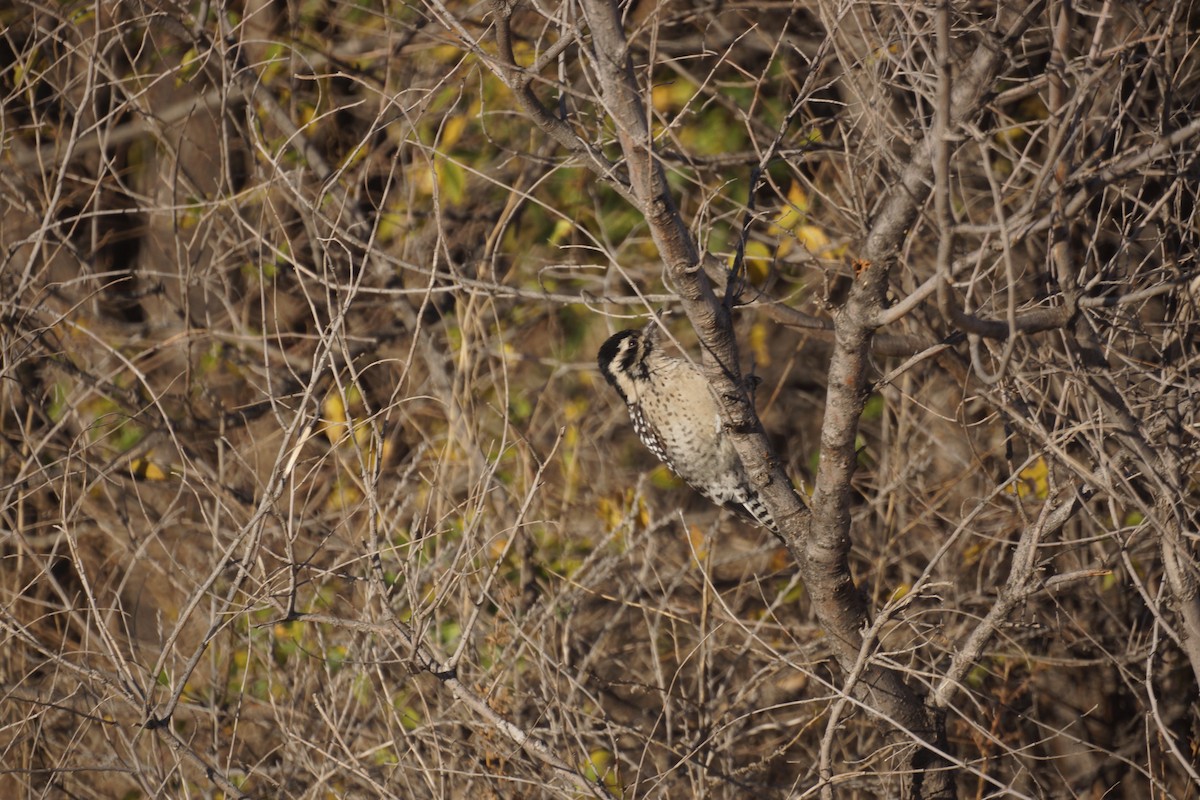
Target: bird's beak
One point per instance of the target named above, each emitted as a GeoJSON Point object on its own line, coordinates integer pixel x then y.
{"type": "Point", "coordinates": [653, 330]}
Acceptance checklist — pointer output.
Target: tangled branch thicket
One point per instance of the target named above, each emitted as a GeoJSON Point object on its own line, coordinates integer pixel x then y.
{"type": "Point", "coordinates": [310, 486]}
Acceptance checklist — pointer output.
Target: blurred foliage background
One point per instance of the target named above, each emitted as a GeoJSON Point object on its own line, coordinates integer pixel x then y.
{"type": "Point", "coordinates": [299, 320]}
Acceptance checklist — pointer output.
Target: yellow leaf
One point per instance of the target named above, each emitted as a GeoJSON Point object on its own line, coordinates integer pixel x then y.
{"type": "Point", "coordinates": [1012, 134]}
{"type": "Point", "coordinates": [758, 344]}
{"type": "Point", "coordinates": [452, 130]}
{"type": "Point", "coordinates": [660, 97]}
{"type": "Point", "coordinates": [1032, 481]}
{"type": "Point", "coordinates": [523, 52]}
{"type": "Point", "coordinates": [813, 238]}
{"type": "Point", "coordinates": [445, 53]}
{"type": "Point", "coordinates": [286, 631]}
{"type": "Point", "coordinates": [1003, 167]}
{"type": "Point", "coordinates": [387, 451]}
{"type": "Point", "coordinates": [646, 247]}
{"type": "Point", "coordinates": [422, 179]}
{"type": "Point", "coordinates": [354, 156]}
{"type": "Point", "coordinates": [306, 112]}
{"type": "Point", "coordinates": [452, 181]}
{"type": "Point", "coordinates": [788, 218]}
{"type": "Point", "coordinates": [661, 477]}
{"type": "Point", "coordinates": [576, 410]}
{"type": "Point", "coordinates": [643, 515]}
{"type": "Point", "coordinates": [798, 197]}
{"type": "Point", "coordinates": [1032, 108]}
{"type": "Point", "coordinates": [189, 65]}
{"type": "Point", "coordinates": [673, 96]}
{"type": "Point", "coordinates": [496, 548]}
{"type": "Point", "coordinates": [392, 225]}
{"type": "Point", "coordinates": [972, 553]}
{"type": "Point", "coordinates": [148, 471]}
{"type": "Point", "coordinates": [363, 433]}
{"type": "Point", "coordinates": [562, 230]}
{"type": "Point", "coordinates": [343, 496]}
{"type": "Point", "coordinates": [610, 513]}
{"type": "Point", "coordinates": [794, 213]}
{"type": "Point", "coordinates": [758, 260]}
{"type": "Point", "coordinates": [977, 677]}
{"type": "Point", "coordinates": [599, 766]}
{"type": "Point", "coordinates": [334, 418]}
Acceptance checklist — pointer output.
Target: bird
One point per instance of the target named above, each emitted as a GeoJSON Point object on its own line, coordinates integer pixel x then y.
{"type": "Point", "coordinates": [677, 416]}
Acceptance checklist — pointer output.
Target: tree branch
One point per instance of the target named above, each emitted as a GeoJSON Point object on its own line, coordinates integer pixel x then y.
{"type": "Point", "coordinates": [826, 546]}
{"type": "Point", "coordinates": [426, 661]}
{"type": "Point", "coordinates": [1021, 584]}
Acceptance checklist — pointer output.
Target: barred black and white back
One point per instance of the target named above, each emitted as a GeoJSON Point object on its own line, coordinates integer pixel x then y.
{"type": "Point", "coordinates": [676, 416]}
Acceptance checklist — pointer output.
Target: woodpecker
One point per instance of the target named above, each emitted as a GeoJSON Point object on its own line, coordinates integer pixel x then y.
{"type": "Point", "coordinates": [676, 415]}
